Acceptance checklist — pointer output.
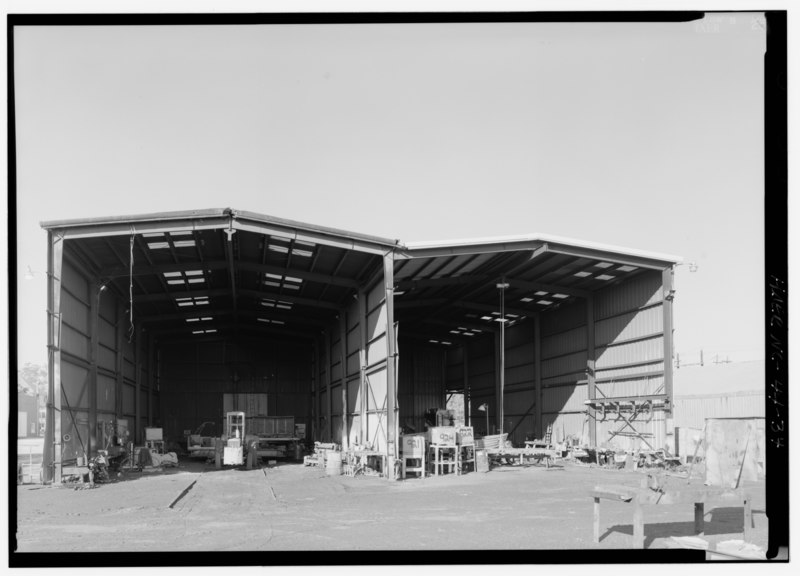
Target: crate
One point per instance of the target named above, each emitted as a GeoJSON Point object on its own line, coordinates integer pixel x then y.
{"type": "Point", "coordinates": [465, 436]}
{"type": "Point", "coordinates": [412, 445]}
{"type": "Point", "coordinates": [441, 435]}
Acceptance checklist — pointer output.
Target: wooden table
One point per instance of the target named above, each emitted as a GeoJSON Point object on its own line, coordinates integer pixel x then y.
{"type": "Point", "coordinates": [698, 495]}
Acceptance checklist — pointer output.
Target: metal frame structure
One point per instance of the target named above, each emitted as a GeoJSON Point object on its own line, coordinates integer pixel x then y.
{"type": "Point", "coordinates": [224, 275]}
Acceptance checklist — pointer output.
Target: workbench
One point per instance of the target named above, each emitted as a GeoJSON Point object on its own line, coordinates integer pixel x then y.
{"type": "Point", "coordinates": [359, 459]}
{"type": "Point", "coordinates": [699, 495]}
{"type": "Point", "coordinates": [522, 453]}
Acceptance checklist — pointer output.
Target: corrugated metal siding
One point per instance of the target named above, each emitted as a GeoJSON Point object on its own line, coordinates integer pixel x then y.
{"type": "Point", "coordinates": [421, 383]}
{"type": "Point", "coordinates": [570, 341]}
{"type": "Point", "coordinates": [623, 373]}
{"type": "Point", "coordinates": [655, 427]}
{"type": "Point", "coordinates": [637, 387]}
{"type": "Point", "coordinates": [643, 350]}
{"type": "Point", "coordinates": [628, 326]}
{"type": "Point", "coordinates": [564, 318]}
{"type": "Point", "coordinates": [641, 291]}
{"type": "Point", "coordinates": [563, 365]}
{"type": "Point", "coordinates": [691, 411]}
{"type": "Point", "coordinates": [564, 398]}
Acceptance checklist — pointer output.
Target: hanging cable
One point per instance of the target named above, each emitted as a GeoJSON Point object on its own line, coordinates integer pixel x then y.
{"type": "Point", "coordinates": [130, 290]}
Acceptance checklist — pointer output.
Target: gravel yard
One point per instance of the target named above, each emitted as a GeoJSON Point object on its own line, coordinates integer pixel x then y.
{"type": "Point", "coordinates": [291, 507]}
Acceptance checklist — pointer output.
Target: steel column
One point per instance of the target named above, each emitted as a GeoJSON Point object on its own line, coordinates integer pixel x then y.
{"type": "Point", "coordinates": [94, 315]}
{"type": "Point", "coordinates": [391, 361]}
{"type": "Point", "coordinates": [590, 367]}
{"type": "Point", "coordinates": [51, 466]}
{"type": "Point", "coordinates": [537, 368]}
{"type": "Point", "coordinates": [668, 287]}
{"type": "Point", "coordinates": [328, 401]}
{"type": "Point", "coordinates": [363, 307]}
{"type": "Point", "coordinates": [137, 435]}
{"type": "Point", "coordinates": [343, 364]}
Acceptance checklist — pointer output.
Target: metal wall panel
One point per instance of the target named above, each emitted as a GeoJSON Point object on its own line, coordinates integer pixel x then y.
{"type": "Point", "coordinates": [564, 318]}
{"type": "Point", "coordinates": [524, 374]}
{"type": "Point", "coordinates": [564, 425]}
{"type": "Point", "coordinates": [129, 370]}
{"type": "Point", "coordinates": [517, 402]}
{"type": "Point", "coordinates": [106, 393]}
{"type": "Point", "coordinates": [571, 363]}
{"type": "Point", "coordinates": [73, 342]}
{"type": "Point", "coordinates": [376, 398]}
{"type": "Point", "coordinates": [107, 334]}
{"type": "Point", "coordinates": [354, 396]}
{"type": "Point", "coordinates": [336, 400]}
{"type": "Point", "coordinates": [642, 350]}
{"type": "Point", "coordinates": [634, 387]}
{"type": "Point", "coordinates": [74, 282]}
{"type": "Point", "coordinates": [654, 431]}
{"type": "Point", "coordinates": [573, 340]}
{"type": "Point", "coordinates": [75, 434]}
{"type": "Point", "coordinates": [692, 411]}
{"type": "Point", "coordinates": [421, 385]}
{"type": "Point", "coordinates": [376, 351]}
{"type": "Point", "coordinates": [128, 399]}
{"type": "Point", "coordinates": [75, 381]}
{"type": "Point", "coordinates": [376, 295]}
{"type": "Point", "coordinates": [634, 324]}
{"type": "Point", "coordinates": [74, 312]}
{"type": "Point", "coordinates": [621, 373]}
{"type": "Point", "coordinates": [638, 292]}
{"type": "Point", "coordinates": [564, 398]}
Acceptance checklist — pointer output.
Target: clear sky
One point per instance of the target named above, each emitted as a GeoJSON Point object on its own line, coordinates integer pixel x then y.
{"type": "Point", "coordinates": [647, 136]}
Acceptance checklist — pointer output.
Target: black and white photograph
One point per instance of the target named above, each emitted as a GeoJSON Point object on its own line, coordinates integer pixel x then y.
{"type": "Point", "coordinates": [300, 288]}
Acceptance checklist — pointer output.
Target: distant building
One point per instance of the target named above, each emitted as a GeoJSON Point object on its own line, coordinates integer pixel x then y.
{"type": "Point", "coordinates": [27, 416]}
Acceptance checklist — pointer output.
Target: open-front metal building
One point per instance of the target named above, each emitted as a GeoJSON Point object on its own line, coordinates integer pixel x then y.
{"type": "Point", "coordinates": [153, 320]}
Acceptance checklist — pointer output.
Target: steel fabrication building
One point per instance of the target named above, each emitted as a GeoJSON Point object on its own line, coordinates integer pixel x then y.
{"type": "Point", "coordinates": [155, 319]}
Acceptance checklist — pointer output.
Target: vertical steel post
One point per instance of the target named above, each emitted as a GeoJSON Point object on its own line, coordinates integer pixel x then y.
{"type": "Point", "coordinates": [591, 391]}
{"type": "Point", "coordinates": [137, 374]}
{"type": "Point", "coordinates": [150, 378]}
{"type": "Point", "coordinates": [667, 279]}
{"type": "Point", "coordinates": [94, 314]}
{"type": "Point", "coordinates": [328, 407]}
{"type": "Point", "coordinates": [51, 465]}
{"type": "Point", "coordinates": [363, 310]}
{"type": "Point", "coordinates": [391, 362]}
{"type": "Point", "coordinates": [537, 371]}
{"type": "Point", "coordinates": [467, 394]}
{"type": "Point", "coordinates": [317, 431]}
{"type": "Point", "coordinates": [498, 384]}
{"type": "Point", "coordinates": [343, 363]}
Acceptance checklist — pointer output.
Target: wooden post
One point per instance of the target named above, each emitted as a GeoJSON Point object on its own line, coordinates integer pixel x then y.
{"type": "Point", "coordinates": [638, 524]}
{"type": "Point", "coordinates": [748, 518]}
{"type": "Point", "coordinates": [699, 521]}
{"type": "Point", "coordinates": [596, 526]}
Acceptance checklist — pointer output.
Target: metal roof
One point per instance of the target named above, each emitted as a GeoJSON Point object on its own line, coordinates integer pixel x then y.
{"type": "Point", "coordinates": [245, 271]}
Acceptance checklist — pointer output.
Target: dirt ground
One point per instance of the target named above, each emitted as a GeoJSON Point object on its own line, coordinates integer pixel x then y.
{"type": "Point", "coordinates": [292, 507]}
